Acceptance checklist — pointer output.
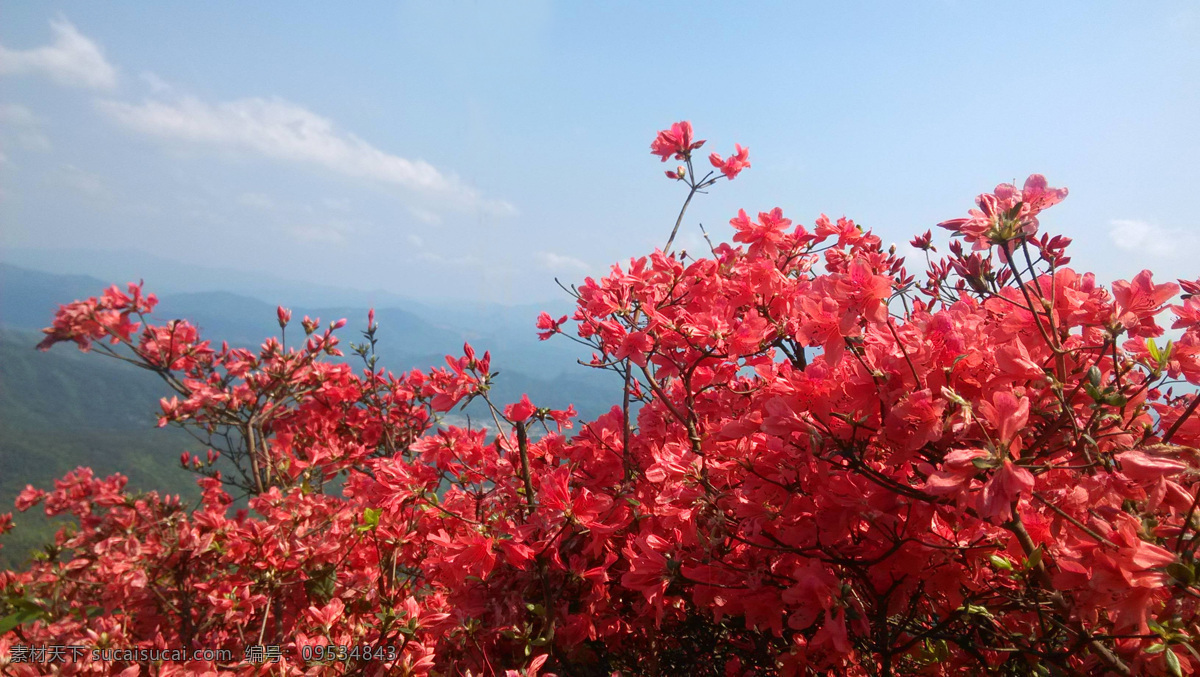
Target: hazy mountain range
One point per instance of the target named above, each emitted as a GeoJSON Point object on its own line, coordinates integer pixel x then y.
{"type": "Point", "coordinates": [62, 409]}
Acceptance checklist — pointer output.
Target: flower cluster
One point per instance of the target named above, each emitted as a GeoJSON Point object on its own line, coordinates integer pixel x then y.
{"type": "Point", "coordinates": [1006, 214]}
{"type": "Point", "coordinates": [816, 465]}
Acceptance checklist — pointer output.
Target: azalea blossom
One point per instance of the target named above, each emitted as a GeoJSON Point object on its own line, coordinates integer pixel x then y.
{"type": "Point", "coordinates": [676, 141]}
{"type": "Point", "coordinates": [812, 464]}
{"type": "Point", "coordinates": [735, 164]}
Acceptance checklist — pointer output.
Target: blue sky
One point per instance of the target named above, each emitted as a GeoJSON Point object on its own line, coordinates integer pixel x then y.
{"type": "Point", "coordinates": [477, 150]}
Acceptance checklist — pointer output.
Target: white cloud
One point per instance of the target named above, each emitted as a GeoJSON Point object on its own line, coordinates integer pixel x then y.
{"type": "Point", "coordinates": [1149, 238]}
{"type": "Point", "coordinates": [34, 141]}
{"type": "Point", "coordinates": [257, 201]}
{"type": "Point", "coordinates": [438, 259]}
{"type": "Point", "coordinates": [82, 181]}
{"type": "Point", "coordinates": [552, 261]}
{"type": "Point", "coordinates": [71, 59]}
{"type": "Point", "coordinates": [23, 123]}
{"type": "Point", "coordinates": [320, 234]}
{"type": "Point", "coordinates": [425, 216]}
{"type": "Point", "coordinates": [17, 115]}
{"type": "Point", "coordinates": [282, 130]}
{"type": "Point", "coordinates": [157, 84]}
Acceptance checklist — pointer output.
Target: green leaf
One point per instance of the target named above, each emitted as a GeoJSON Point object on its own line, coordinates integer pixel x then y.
{"type": "Point", "coordinates": [321, 584]}
{"type": "Point", "coordinates": [1000, 562]}
{"type": "Point", "coordinates": [1093, 376]}
{"type": "Point", "coordinates": [23, 616]}
{"type": "Point", "coordinates": [984, 463]}
{"type": "Point", "coordinates": [1181, 572]}
{"type": "Point", "coordinates": [1152, 348]}
{"type": "Point", "coordinates": [941, 650]}
{"type": "Point", "coordinates": [1035, 558]}
{"type": "Point", "coordinates": [370, 519]}
{"type": "Point", "coordinates": [1173, 663]}
{"type": "Point", "coordinates": [977, 610]}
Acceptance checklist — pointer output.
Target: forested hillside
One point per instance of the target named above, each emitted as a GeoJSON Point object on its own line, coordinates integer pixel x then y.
{"type": "Point", "coordinates": [61, 409]}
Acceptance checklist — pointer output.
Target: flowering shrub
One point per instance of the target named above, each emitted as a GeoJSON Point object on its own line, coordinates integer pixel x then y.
{"type": "Point", "coordinates": [818, 464]}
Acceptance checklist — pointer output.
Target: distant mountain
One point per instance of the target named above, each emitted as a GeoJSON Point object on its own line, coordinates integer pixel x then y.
{"type": "Point", "coordinates": [28, 298]}
{"type": "Point", "coordinates": [408, 329]}
{"type": "Point", "coordinates": [63, 409]}
{"type": "Point", "coordinates": [167, 276]}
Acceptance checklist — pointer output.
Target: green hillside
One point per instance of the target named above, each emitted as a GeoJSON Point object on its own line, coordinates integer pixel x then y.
{"type": "Point", "coordinates": [63, 409]}
{"type": "Point", "coordinates": [60, 410]}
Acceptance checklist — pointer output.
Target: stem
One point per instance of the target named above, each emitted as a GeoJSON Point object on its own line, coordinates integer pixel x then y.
{"type": "Point", "coordinates": [523, 451]}
{"type": "Point", "coordinates": [543, 571]}
{"type": "Point", "coordinates": [626, 459]}
{"type": "Point", "coordinates": [1060, 367]}
{"type": "Point", "coordinates": [695, 188]}
{"type": "Point", "coordinates": [1183, 417]}
{"type": "Point", "coordinates": [1106, 656]}
{"type": "Point", "coordinates": [252, 451]}
{"type": "Point", "coordinates": [679, 220]}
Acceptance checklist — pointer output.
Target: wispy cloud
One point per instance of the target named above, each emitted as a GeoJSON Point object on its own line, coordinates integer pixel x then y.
{"type": "Point", "coordinates": [257, 201]}
{"type": "Point", "coordinates": [1152, 239]}
{"type": "Point", "coordinates": [157, 84]}
{"type": "Point", "coordinates": [451, 261]}
{"type": "Point", "coordinates": [330, 233]}
{"type": "Point", "coordinates": [336, 204]}
{"type": "Point", "coordinates": [84, 182]}
{"type": "Point", "coordinates": [552, 261]}
{"type": "Point", "coordinates": [24, 126]}
{"type": "Point", "coordinates": [71, 59]}
{"type": "Point", "coordinates": [283, 130]}
{"type": "Point", "coordinates": [17, 115]}
{"type": "Point", "coordinates": [425, 216]}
